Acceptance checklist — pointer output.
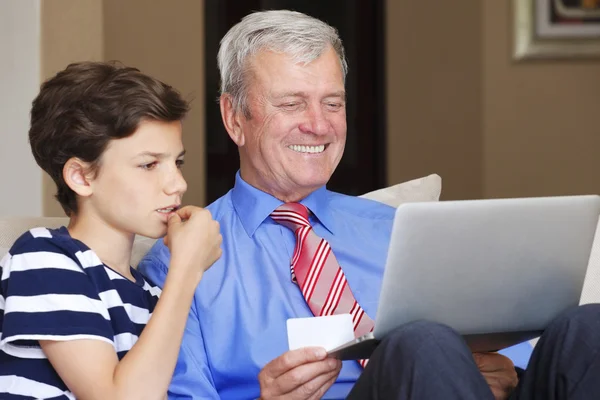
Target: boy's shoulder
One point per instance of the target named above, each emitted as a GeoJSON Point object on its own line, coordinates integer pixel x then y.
{"type": "Point", "coordinates": [44, 240]}
{"type": "Point", "coordinates": [48, 254]}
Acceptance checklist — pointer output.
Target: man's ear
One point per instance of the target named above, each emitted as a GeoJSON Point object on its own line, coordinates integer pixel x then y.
{"type": "Point", "coordinates": [231, 119]}
{"type": "Point", "coordinates": [77, 177]}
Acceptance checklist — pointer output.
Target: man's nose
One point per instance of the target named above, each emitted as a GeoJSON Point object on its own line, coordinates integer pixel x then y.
{"type": "Point", "coordinates": [315, 122]}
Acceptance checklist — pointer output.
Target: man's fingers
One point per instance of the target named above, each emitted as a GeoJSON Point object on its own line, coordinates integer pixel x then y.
{"type": "Point", "coordinates": [479, 360]}
{"type": "Point", "coordinates": [490, 362]}
{"type": "Point", "coordinates": [307, 378]}
{"type": "Point", "coordinates": [316, 388]}
{"type": "Point", "coordinates": [499, 373]}
{"type": "Point", "coordinates": [327, 385]}
{"type": "Point", "coordinates": [502, 387]}
{"type": "Point", "coordinates": [292, 359]}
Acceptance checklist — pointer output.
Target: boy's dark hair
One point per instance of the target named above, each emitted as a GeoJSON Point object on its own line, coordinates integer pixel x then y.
{"type": "Point", "coordinates": [88, 104]}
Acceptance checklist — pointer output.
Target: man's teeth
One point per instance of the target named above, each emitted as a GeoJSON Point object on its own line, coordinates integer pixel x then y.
{"type": "Point", "coordinates": [308, 149]}
{"type": "Point", "coordinates": [166, 210]}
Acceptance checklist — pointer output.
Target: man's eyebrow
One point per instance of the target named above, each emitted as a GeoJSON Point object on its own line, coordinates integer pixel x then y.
{"type": "Point", "coordinates": [288, 94]}
{"type": "Point", "coordinates": [157, 155]}
{"type": "Point", "coordinates": [340, 93]}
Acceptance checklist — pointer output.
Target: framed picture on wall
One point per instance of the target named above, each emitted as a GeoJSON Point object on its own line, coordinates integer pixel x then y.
{"type": "Point", "coordinates": [547, 29]}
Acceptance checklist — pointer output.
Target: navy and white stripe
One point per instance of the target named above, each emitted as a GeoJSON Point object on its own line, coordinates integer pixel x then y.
{"type": "Point", "coordinates": [54, 287]}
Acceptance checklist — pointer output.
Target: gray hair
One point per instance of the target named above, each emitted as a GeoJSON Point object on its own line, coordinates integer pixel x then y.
{"type": "Point", "coordinates": [302, 37]}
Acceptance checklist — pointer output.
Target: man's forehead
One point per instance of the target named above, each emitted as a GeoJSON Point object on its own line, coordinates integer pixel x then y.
{"type": "Point", "coordinates": [266, 56]}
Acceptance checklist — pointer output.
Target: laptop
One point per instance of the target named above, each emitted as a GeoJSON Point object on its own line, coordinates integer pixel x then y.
{"type": "Point", "coordinates": [497, 271]}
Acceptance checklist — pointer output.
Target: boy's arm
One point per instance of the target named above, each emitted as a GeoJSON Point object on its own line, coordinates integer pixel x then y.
{"type": "Point", "coordinates": [91, 369]}
{"type": "Point", "coordinates": [50, 299]}
{"type": "Point", "coordinates": [192, 378]}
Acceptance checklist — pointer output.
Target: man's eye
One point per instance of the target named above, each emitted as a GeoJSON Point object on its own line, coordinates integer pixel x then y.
{"type": "Point", "coordinates": [149, 166]}
{"type": "Point", "coordinates": [179, 163]}
{"type": "Point", "coordinates": [290, 105]}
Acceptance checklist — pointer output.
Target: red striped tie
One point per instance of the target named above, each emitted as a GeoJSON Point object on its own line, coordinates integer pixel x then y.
{"type": "Point", "coordinates": [316, 271]}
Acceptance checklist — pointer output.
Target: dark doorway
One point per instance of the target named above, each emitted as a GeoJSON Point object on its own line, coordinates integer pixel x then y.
{"type": "Point", "coordinates": [361, 26]}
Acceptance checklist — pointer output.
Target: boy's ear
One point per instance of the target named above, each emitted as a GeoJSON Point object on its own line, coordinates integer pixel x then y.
{"type": "Point", "coordinates": [76, 176]}
{"type": "Point", "coordinates": [231, 119]}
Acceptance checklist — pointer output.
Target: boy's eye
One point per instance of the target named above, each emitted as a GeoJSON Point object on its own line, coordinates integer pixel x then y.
{"type": "Point", "coordinates": [179, 163]}
{"type": "Point", "coordinates": [149, 166]}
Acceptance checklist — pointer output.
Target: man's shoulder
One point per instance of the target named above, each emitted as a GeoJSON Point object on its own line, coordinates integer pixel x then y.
{"type": "Point", "coordinates": [360, 207]}
{"type": "Point", "coordinates": [222, 207]}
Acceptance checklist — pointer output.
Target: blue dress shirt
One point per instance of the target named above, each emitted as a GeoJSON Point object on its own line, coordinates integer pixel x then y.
{"type": "Point", "coordinates": [237, 322]}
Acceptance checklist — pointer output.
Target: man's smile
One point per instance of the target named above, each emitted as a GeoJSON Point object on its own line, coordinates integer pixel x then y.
{"type": "Point", "coordinates": [308, 149]}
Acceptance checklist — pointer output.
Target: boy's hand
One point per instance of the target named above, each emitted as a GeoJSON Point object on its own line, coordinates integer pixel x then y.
{"type": "Point", "coordinates": [194, 239]}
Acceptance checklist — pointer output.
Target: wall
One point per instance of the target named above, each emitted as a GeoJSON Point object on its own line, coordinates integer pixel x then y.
{"type": "Point", "coordinates": [457, 104]}
{"type": "Point", "coordinates": [165, 41]}
{"type": "Point", "coordinates": [72, 30]}
{"type": "Point", "coordinates": [434, 93]}
{"type": "Point", "coordinates": [491, 127]}
{"type": "Point", "coordinates": [541, 131]}
{"type": "Point", "coordinates": [20, 176]}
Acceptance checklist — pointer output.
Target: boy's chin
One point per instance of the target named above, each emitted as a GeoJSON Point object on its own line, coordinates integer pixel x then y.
{"type": "Point", "coordinates": [153, 233]}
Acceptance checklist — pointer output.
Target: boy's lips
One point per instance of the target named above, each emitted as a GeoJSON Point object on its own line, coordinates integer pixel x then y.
{"type": "Point", "coordinates": [166, 212]}
{"type": "Point", "coordinates": [169, 209]}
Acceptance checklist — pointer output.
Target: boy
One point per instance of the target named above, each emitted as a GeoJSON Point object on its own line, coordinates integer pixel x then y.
{"type": "Point", "coordinates": [72, 310]}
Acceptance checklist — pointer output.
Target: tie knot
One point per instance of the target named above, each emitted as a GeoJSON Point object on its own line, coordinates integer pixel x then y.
{"type": "Point", "coordinates": [291, 215]}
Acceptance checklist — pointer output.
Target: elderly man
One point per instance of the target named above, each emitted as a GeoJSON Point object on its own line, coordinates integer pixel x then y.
{"type": "Point", "coordinates": [283, 104]}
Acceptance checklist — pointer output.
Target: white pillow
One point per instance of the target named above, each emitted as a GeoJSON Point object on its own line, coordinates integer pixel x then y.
{"type": "Point", "coordinates": [427, 188]}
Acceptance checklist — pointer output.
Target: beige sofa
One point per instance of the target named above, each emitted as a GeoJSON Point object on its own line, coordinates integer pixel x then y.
{"type": "Point", "coordinates": [423, 189]}
{"type": "Point", "coordinates": [427, 188]}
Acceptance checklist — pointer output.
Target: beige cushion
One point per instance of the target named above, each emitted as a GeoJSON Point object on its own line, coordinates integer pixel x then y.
{"type": "Point", "coordinates": [427, 188]}
{"type": "Point", "coordinates": [12, 227]}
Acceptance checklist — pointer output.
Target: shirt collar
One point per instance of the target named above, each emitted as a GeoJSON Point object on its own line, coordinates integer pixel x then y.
{"type": "Point", "coordinates": [253, 206]}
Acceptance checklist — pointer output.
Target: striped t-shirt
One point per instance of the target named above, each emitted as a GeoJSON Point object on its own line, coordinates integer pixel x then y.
{"type": "Point", "coordinates": [54, 287]}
